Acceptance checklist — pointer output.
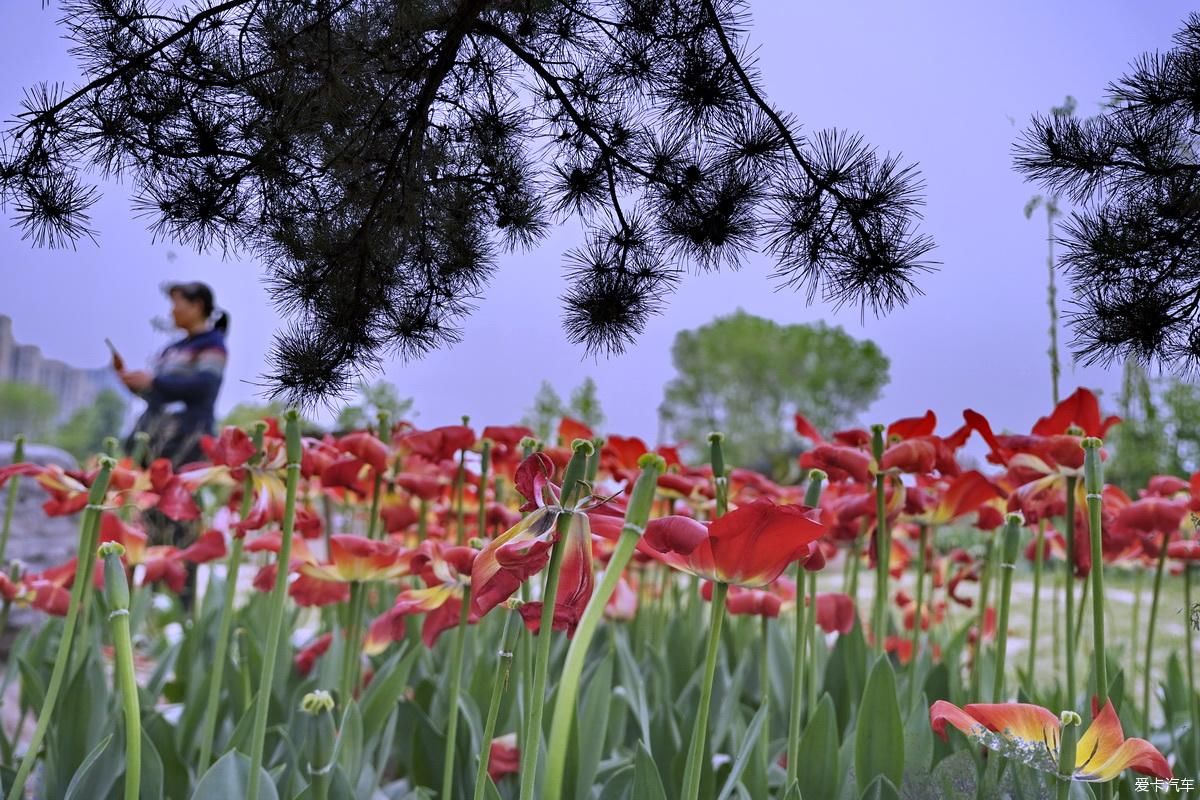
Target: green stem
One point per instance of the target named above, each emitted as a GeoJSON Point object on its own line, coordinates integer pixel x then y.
{"type": "Point", "coordinates": [220, 653]}
{"type": "Point", "coordinates": [116, 589]}
{"type": "Point", "coordinates": [855, 566]}
{"type": "Point", "coordinates": [764, 683]}
{"type": "Point", "coordinates": [1066, 754]}
{"type": "Point", "coordinates": [694, 768]}
{"type": "Point", "coordinates": [277, 602]}
{"type": "Point", "coordinates": [981, 617]}
{"type": "Point", "coordinates": [456, 661]}
{"type": "Point", "coordinates": [883, 557]}
{"type": "Point", "coordinates": [531, 741]}
{"type": "Point", "coordinates": [1012, 539]}
{"type": "Point", "coordinates": [1159, 570]}
{"type": "Point", "coordinates": [1039, 557]}
{"type": "Point", "coordinates": [1139, 581]}
{"type": "Point", "coordinates": [485, 461]}
{"type": "Point", "coordinates": [376, 492]}
{"type": "Point", "coordinates": [1081, 608]}
{"type": "Point", "coordinates": [794, 718]}
{"type": "Point", "coordinates": [89, 529]}
{"type": "Point", "coordinates": [810, 636]}
{"type": "Point", "coordinates": [10, 502]}
{"type": "Point", "coordinates": [1056, 617]}
{"type": "Point", "coordinates": [812, 497]}
{"type": "Point", "coordinates": [922, 544]}
{"type": "Point", "coordinates": [1069, 617]}
{"type": "Point", "coordinates": [352, 654]}
{"type": "Point", "coordinates": [233, 567]}
{"type": "Point", "coordinates": [1193, 706]}
{"type": "Point", "coordinates": [460, 486]}
{"type": "Point", "coordinates": [637, 514]}
{"type": "Point", "coordinates": [1095, 485]}
{"type": "Point", "coordinates": [123, 644]}
{"type": "Point", "coordinates": [498, 688]}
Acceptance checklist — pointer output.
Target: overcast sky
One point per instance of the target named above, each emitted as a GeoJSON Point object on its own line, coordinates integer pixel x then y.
{"type": "Point", "coordinates": [948, 84]}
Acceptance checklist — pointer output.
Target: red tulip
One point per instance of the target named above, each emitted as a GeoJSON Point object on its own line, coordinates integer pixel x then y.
{"type": "Point", "coordinates": [306, 658]}
{"type": "Point", "coordinates": [356, 559]}
{"type": "Point", "coordinates": [749, 546]}
{"type": "Point", "coordinates": [1101, 754]}
{"type": "Point", "coordinates": [504, 757]}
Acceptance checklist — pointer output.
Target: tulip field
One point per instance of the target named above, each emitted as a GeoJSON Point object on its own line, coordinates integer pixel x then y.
{"type": "Point", "coordinates": [468, 612]}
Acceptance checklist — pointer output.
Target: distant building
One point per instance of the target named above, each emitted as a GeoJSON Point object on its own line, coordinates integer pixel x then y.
{"type": "Point", "coordinates": [74, 388]}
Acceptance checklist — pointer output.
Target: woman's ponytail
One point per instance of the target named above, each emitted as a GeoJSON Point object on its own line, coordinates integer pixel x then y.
{"type": "Point", "coordinates": [220, 321]}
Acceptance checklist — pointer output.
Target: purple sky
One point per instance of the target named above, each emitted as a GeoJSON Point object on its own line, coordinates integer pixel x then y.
{"type": "Point", "coordinates": [942, 82]}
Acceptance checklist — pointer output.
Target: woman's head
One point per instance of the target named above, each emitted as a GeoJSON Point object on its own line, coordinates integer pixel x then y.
{"type": "Point", "coordinates": [192, 305]}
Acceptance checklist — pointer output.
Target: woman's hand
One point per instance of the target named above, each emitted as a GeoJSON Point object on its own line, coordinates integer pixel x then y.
{"type": "Point", "coordinates": [137, 381]}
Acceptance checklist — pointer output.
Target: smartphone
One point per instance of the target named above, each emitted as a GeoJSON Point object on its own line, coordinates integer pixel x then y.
{"type": "Point", "coordinates": [117, 362]}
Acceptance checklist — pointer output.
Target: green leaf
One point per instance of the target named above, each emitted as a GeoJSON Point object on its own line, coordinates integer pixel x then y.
{"type": "Point", "coordinates": [845, 674]}
{"type": "Point", "coordinates": [618, 785]}
{"type": "Point", "coordinates": [33, 685]}
{"type": "Point", "coordinates": [918, 739]}
{"type": "Point", "coordinates": [348, 751]}
{"type": "Point", "coordinates": [98, 772]}
{"type": "Point", "coordinates": [177, 779]}
{"type": "Point", "coordinates": [647, 784]}
{"type": "Point", "coordinates": [87, 700]}
{"type": "Point", "coordinates": [591, 725]}
{"type": "Point", "coordinates": [880, 789]}
{"type": "Point", "coordinates": [879, 734]}
{"type": "Point", "coordinates": [955, 775]}
{"type": "Point", "coordinates": [230, 777]}
{"type": "Point", "coordinates": [380, 697]}
{"type": "Point", "coordinates": [750, 744]}
{"type": "Point", "coordinates": [819, 747]}
{"type": "Point", "coordinates": [151, 786]}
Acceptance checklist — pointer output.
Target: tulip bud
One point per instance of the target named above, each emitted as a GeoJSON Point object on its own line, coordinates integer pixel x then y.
{"type": "Point", "coordinates": [812, 495]}
{"type": "Point", "coordinates": [141, 445]}
{"type": "Point", "coordinates": [877, 443]}
{"type": "Point", "coordinates": [116, 583]}
{"type": "Point", "coordinates": [1066, 748]}
{"type": "Point", "coordinates": [318, 706]}
{"type": "Point", "coordinates": [641, 499]}
{"type": "Point", "coordinates": [292, 433]}
{"type": "Point", "coordinates": [576, 469]}
{"type": "Point", "coordinates": [1012, 539]}
{"type": "Point", "coordinates": [1093, 475]}
{"type": "Point", "coordinates": [528, 445]}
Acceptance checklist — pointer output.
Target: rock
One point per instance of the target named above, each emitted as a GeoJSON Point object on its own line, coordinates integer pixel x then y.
{"type": "Point", "coordinates": [35, 540]}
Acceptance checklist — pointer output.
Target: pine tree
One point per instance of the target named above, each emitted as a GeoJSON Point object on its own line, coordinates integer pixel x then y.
{"type": "Point", "coordinates": [377, 156]}
{"type": "Point", "coordinates": [1131, 249]}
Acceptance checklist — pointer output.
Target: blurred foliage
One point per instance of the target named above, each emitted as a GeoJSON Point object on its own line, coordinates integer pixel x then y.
{"type": "Point", "coordinates": [548, 408]}
{"type": "Point", "coordinates": [84, 433]}
{"type": "Point", "coordinates": [373, 399]}
{"type": "Point", "coordinates": [748, 376]}
{"type": "Point", "coordinates": [26, 409]}
{"type": "Point", "coordinates": [1160, 432]}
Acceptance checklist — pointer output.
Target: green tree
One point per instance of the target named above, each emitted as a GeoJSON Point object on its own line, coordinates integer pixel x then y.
{"type": "Point", "coordinates": [1160, 429]}
{"type": "Point", "coordinates": [245, 414]}
{"type": "Point", "coordinates": [84, 433]}
{"type": "Point", "coordinates": [26, 409]}
{"type": "Point", "coordinates": [585, 405]}
{"type": "Point", "coordinates": [548, 408]}
{"type": "Point", "coordinates": [373, 398]}
{"type": "Point", "coordinates": [747, 376]}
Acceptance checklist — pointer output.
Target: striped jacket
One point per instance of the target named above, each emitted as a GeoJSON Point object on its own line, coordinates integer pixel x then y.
{"type": "Point", "coordinates": [181, 401]}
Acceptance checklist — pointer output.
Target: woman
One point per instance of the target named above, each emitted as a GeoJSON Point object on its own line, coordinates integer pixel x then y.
{"type": "Point", "coordinates": [181, 392]}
